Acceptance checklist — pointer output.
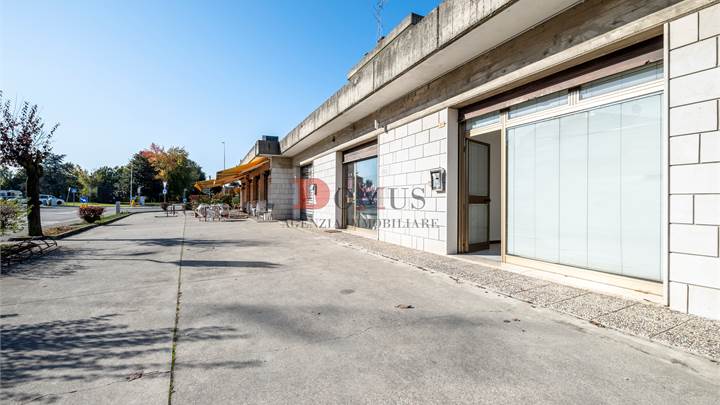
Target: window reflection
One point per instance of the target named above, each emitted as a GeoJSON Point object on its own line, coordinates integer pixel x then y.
{"type": "Point", "coordinates": [361, 193]}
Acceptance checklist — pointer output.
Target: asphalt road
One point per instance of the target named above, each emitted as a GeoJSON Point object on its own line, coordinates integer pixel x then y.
{"type": "Point", "coordinates": [62, 215]}
{"type": "Point", "coordinates": [267, 314]}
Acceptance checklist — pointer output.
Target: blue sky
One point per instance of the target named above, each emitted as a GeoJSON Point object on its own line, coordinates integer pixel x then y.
{"type": "Point", "coordinates": [118, 75]}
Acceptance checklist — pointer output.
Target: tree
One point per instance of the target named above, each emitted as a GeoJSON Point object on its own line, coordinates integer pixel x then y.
{"type": "Point", "coordinates": [86, 182]}
{"type": "Point", "coordinates": [107, 180]}
{"type": "Point", "coordinates": [99, 185]}
{"type": "Point", "coordinates": [58, 176]}
{"type": "Point", "coordinates": [12, 179]}
{"type": "Point", "coordinates": [143, 175]}
{"type": "Point", "coordinates": [175, 167]}
{"type": "Point", "coordinates": [25, 143]}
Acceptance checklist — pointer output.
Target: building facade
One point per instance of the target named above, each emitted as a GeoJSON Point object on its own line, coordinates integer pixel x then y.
{"type": "Point", "coordinates": [578, 138]}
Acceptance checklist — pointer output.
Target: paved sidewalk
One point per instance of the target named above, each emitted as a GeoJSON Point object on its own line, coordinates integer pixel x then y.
{"type": "Point", "coordinates": [318, 322]}
{"type": "Point", "coordinates": [268, 314]}
{"type": "Point", "coordinates": [78, 324]}
{"type": "Point", "coordinates": [693, 333]}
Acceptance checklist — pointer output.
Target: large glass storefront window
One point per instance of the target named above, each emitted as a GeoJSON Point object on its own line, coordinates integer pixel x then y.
{"type": "Point", "coordinates": [361, 193]}
{"type": "Point", "coordinates": [584, 189]}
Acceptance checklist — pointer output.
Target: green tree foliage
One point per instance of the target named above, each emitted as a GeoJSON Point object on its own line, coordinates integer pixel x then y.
{"type": "Point", "coordinates": [12, 179]}
{"type": "Point", "coordinates": [101, 185]}
{"type": "Point", "coordinates": [149, 169]}
{"type": "Point", "coordinates": [11, 217]}
{"type": "Point", "coordinates": [175, 167]}
{"type": "Point", "coordinates": [143, 176]}
{"type": "Point", "coordinates": [107, 183]}
{"type": "Point", "coordinates": [58, 176]}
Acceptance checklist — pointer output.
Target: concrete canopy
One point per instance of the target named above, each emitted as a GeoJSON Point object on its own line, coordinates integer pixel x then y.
{"type": "Point", "coordinates": [416, 52]}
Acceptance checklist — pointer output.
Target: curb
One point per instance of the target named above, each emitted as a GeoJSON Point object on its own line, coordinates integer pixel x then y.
{"type": "Point", "coordinates": [90, 226]}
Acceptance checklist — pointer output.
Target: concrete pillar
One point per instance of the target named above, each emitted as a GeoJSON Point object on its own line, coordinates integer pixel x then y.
{"type": "Point", "coordinates": [694, 162]}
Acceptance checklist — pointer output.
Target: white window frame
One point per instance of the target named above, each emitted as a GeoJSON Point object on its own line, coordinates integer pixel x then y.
{"type": "Point", "coordinates": [574, 104]}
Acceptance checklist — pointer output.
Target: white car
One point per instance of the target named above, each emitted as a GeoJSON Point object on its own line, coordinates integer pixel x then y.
{"type": "Point", "coordinates": [10, 194]}
{"type": "Point", "coordinates": [49, 200]}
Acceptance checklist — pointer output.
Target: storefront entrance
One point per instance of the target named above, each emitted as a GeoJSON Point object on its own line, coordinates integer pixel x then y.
{"type": "Point", "coordinates": [307, 193]}
{"type": "Point", "coordinates": [360, 209]}
{"type": "Point", "coordinates": [580, 169]}
{"type": "Point", "coordinates": [360, 181]}
{"type": "Point", "coordinates": [478, 198]}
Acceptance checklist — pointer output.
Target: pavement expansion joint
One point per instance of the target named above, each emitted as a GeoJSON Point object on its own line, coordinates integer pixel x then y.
{"type": "Point", "coordinates": [175, 334]}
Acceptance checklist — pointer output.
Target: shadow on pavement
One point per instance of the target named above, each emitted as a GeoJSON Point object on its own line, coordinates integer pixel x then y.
{"type": "Point", "coordinates": [227, 263]}
{"type": "Point", "coordinates": [177, 241]}
{"type": "Point", "coordinates": [39, 268]}
{"type": "Point", "coordinates": [88, 349]}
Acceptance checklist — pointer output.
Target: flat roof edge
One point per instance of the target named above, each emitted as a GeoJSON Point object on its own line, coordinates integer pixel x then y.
{"type": "Point", "coordinates": [414, 40]}
{"type": "Point", "coordinates": [409, 20]}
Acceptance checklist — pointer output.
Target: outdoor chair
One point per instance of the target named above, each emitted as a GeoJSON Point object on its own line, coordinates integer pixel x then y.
{"type": "Point", "coordinates": [267, 215]}
{"type": "Point", "coordinates": [225, 211]}
{"type": "Point", "coordinates": [201, 211]}
{"type": "Point", "coordinates": [215, 212]}
{"type": "Point", "coordinates": [260, 209]}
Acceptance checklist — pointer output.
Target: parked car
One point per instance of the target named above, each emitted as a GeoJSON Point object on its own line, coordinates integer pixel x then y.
{"type": "Point", "coordinates": [10, 194]}
{"type": "Point", "coordinates": [49, 200]}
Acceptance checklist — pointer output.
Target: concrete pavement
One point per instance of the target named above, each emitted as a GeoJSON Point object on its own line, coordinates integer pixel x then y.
{"type": "Point", "coordinates": [77, 324]}
{"type": "Point", "coordinates": [275, 315]}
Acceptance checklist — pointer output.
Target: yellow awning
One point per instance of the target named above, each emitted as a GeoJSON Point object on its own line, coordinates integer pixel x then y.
{"type": "Point", "coordinates": [229, 175]}
{"type": "Point", "coordinates": [201, 185]}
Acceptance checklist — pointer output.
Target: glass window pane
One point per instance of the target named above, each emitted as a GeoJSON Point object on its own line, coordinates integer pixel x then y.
{"type": "Point", "coordinates": [539, 104]}
{"type": "Point", "coordinates": [478, 164]}
{"type": "Point", "coordinates": [604, 131]}
{"type": "Point", "coordinates": [622, 81]}
{"type": "Point", "coordinates": [483, 120]}
{"type": "Point", "coordinates": [547, 177]}
{"type": "Point", "coordinates": [366, 193]}
{"type": "Point", "coordinates": [524, 190]}
{"type": "Point", "coordinates": [573, 189]}
{"type": "Point", "coordinates": [641, 187]}
{"type": "Point", "coordinates": [585, 189]}
{"type": "Point", "coordinates": [349, 190]}
{"type": "Point", "coordinates": [478, 218]}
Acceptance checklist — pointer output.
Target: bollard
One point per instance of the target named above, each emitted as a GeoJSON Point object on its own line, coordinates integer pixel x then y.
{"type": "Point", "coordinates": [117, 207]}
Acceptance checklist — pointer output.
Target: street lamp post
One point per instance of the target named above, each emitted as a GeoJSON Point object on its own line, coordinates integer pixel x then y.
{"type": "Point", "coordinates": [131, 181]}
{"type": "Point", "coordinates": [223, 142]}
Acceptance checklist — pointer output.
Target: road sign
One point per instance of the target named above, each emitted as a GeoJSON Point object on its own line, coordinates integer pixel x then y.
{"type": "Point", "coordinates": [164, 191]}
{"type": "Point", "coordinates": [83, 199]}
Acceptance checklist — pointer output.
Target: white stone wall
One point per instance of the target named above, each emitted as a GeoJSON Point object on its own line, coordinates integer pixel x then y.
{"type": "Point", "coordinates": [281, 188]}
{"type": "Point", "coordinates": [328, 168]}
{"type": "Point", "coordinates": [693, 94]}
{"type": "Point", "coordinates": [406, 155]}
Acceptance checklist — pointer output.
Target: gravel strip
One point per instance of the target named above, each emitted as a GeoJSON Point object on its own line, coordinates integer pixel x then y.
{"type": "Point", "coordinates": [643, 320]}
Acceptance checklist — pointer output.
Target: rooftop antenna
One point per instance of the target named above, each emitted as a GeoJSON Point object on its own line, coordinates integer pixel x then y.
{"type": "Point", "coordinates": [377, 12]}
